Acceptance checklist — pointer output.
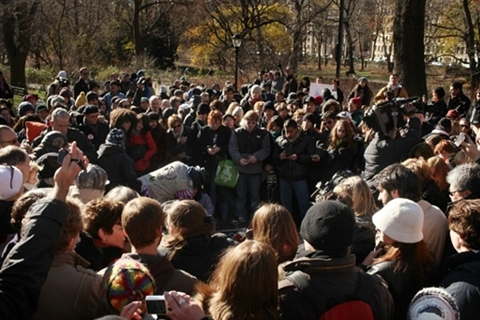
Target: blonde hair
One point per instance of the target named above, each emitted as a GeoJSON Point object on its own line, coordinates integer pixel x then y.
{"type": "Point", "coordinates": [421, 169]}
{"type": "Point", "coordinates": [274, 225]}
{"type": "Point", "coordinates": [363, 203]}
{"type": "Point", "coordinates": [245, 283]}
{"type": "Point", "coordinates": [249, 116]}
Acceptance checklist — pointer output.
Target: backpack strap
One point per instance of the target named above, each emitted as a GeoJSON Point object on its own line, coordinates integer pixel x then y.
{"type": "Point", "coordinates": [318, 302]}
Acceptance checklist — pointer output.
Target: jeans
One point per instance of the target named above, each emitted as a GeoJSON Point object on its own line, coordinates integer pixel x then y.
{"type": "Point", "coordinates": [301, 193]}
{"type": "Point", "coordinates": [248, 183]}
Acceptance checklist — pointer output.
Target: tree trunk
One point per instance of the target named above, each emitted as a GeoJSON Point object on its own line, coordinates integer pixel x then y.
{"type": "Point", "coordinates": [408, 53]}
{"type": "Point", "coordinates": [319, 47]}
{"type": "Point", "coordinates": [471, 45]}
{"type": "Point", "coordinates": [137, 32]}
{"type": "Point", "coordinates": [17, 23]}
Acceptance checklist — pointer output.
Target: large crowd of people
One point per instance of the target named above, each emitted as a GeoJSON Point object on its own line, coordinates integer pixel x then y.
{"type": "Point", "coordinates": [357, 205]}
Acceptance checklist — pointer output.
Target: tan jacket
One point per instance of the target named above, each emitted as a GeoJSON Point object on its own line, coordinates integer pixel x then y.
{"type": "Point", "coordinates": [71, 291]}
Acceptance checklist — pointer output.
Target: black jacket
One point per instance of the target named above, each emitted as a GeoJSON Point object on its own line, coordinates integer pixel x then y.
{"type": "Point", "coordinates": [96, 134]}
{"type": "Point", "coordinates": [384, 151]}
{"type": "Point", "coordinates": [208, 138]}
{"type": "Point", "coordinates": [434, 111]}
{"type": "Point", "coordinates": [80, 86]}
{"type": "Point", "coordinates": [76, 135]}
{"type": "Point", "coordinates": [119, 166]}
{"type": "Point", "coordinates": [5, 216]}
{"type": "Point", "coordinates": [198, 255]}
{"type": "Point", "coordinates": [26, 268]}
{"type": "Point", "coordinates": [462, 280]}
{"type": "Point", "coordinates": [461, 103]}
{"type": "Point", "coordinates": [290, 170]}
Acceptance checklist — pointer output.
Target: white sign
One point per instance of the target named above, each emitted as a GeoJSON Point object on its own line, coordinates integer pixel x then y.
{"type": "Point", "coordinates": [316, 89]}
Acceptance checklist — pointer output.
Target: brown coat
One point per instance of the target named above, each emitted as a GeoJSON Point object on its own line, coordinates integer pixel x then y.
{"type": "Point", "coordinates": [71, 291]}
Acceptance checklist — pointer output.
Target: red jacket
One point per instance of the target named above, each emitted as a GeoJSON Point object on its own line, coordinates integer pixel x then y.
{"type": "Point", "coordinates": [137, 139]}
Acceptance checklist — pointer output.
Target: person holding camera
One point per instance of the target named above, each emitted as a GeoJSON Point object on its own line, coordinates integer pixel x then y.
{"type": "Point", "coordinates": [387, 147]}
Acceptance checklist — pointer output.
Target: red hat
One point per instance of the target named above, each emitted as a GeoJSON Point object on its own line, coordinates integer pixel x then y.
{"type": "Point", "coordinates": [318, 99]}
{"type": "Point", "coordinates": [357, 101]}
{"type": "Point", "coordinates": [453, 114]}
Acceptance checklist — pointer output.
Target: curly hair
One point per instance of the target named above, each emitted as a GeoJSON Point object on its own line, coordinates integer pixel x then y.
{"type": "Point", "coordinates": [119, 116]}
{"type": "Point", "coordinates": [101, 214]}
{"type": "Point", "coordinates": [333, 140]}
{"type": "Point", "coordinates": [464, 219]}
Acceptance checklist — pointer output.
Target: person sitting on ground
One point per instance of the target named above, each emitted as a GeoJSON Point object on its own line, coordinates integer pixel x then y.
{"type": "Point", "coordinates": [363, 207]}
{"type": "Point", "coordinates": [273, 224]}
{"type": "Point", "coordinates": [328, 268]}
{"type": "Point", "coordinates": [90, 184]}
{"type": "Point", "coordinates": [191, 243]}
{"type": "Point", "coordinates": [71, 291]}
{"type": "Point", "coordinates": [143, 220]}
{"type": "Point", "coordinates": [406, 265]}
{"type": "Point", "coordinates": [103, 240]}
{"type": "Point", "coordinates": [461, 272]}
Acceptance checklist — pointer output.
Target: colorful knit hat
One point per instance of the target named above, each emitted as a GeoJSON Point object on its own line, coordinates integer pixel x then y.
{"type": "Point", "coordinates": [121, 283]}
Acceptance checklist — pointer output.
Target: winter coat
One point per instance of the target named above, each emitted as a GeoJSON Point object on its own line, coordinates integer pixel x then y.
{"type": "Point", "coordinates": [461, 103]}
{"type": "Point", "coordinates": [384, 151]}
{"type": "Point", "coordinates": [461, 278]}
{"type": "Point", "coordinates": [142, 139]}
{"type": "Point", "coordinates": [96, 253]}
{"type": "Point", "coordinates": [71, 291]}
{"type": "Point", "coordinates": [365, 93]}
{"type": "Point", "coordinates": [209, 138]}
{"type": "Point", "coordinates": [287, 169]}
{"type": "Point", "coordinates": [198, 255]}
{"type": "Point", "coordinates": [290, 85]}
{"type": "Point", "coordinates": [174, 148]}
{"type": "Point", "coordinates": [363, 238]}
{"type": "Point", "coordinates": [398, 92]}
{"type": "Point", "coordinates": [402, 290]}
{"type": "Point", "coordinates": [95, 134]}
{"type": "Point", "coordinates": [343, 157]}
{"type": "Point", "coordinates": [76, 135]}
{"type": "Point", "coordinates": [244, 144]}
{"type": "Point", "coordinates": [166, 277]}
{"type": "Point", "coordinates": [25, 269]}
{"type": "Point", "coordinates": [119, 166]}
{"type": "Point", "coordinates": [5, 216]}
{"type": "Point", "coordinates": [336, 279]}
{"type": "Point", "coordinates": [434, 111]}
{"type": "Point", "coordinates": [79, 86]}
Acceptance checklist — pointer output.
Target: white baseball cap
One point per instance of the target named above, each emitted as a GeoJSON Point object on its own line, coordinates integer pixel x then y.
{"type": "Point", "coordinates": [12, 181]}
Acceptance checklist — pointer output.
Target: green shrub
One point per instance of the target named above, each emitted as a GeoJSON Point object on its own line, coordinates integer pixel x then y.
{"type": "Point", "coordinates": [39, 76]}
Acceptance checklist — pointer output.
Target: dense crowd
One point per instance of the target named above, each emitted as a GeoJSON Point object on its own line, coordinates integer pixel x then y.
{"type": "Point", "coordinates": [363, 205]}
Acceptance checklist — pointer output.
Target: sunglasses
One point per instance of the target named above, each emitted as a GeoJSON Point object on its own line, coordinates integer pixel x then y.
{"type": "Point", "coordinates": [328, 122]}
{"type": "Point", "coordinates": [465, 126]}
{"type": "Point", "coordinates": [177, 126]}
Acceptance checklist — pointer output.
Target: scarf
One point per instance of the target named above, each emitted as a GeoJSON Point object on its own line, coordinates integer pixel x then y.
{"type": "Point", "coordinates": [178, 136]}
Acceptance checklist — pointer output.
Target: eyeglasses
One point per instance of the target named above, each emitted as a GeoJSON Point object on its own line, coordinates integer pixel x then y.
{"type": "Point", "coordinates": [251, 122]}
{"type": "Point", "coordinates": [11, 142]}
{"type": "Point", "coordinates": [452, 193]}
{"type": "Point", "coordinates": [177, 126]}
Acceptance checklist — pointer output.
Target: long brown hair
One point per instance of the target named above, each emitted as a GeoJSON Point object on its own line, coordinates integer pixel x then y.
{"type": "Point", "coordinates": [333, 139]}
{"type": "Point", "coordinates": [274, 225]}
{"type": "Point", "coordinates": [245, 283]}
{"type": "Point", "coordinates": [413, 260]}
{"type": "Point", "coordinates": [189, 219]}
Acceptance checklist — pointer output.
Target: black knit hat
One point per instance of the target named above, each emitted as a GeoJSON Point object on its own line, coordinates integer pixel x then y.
{"type": "Point", "coordinates": [444, 124]}
{"type": "Point", "coordinates": [203, 108]}
{"type": "Point", "coordinates": [310, 117]}
{"type": "Point", "coordinates": [269, 106]}
{"type": "Point", "coordinates": [116, 137]}
{"type": "Point", "coordinates": [329, 226]}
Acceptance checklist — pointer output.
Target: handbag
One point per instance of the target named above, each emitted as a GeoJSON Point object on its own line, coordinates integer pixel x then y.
{"type": "Point", "coordinates": [227, 174]}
